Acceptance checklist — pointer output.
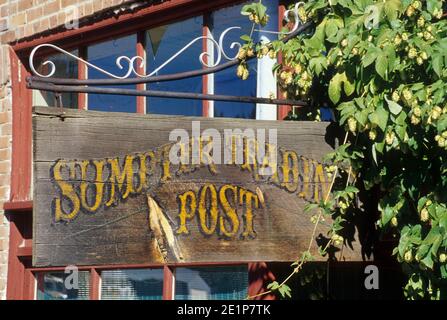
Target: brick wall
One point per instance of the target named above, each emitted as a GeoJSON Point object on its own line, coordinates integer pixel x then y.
{"type": "Point", "coordinates": [26, 19]}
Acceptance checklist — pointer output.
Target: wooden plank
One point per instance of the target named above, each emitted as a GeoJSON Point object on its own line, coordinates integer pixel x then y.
{"type": "Point", "coordinates": [107, 192]}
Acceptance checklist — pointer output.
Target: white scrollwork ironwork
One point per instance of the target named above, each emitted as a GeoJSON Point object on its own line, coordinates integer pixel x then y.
{"type": "Point", "coordinates": [204, 58]}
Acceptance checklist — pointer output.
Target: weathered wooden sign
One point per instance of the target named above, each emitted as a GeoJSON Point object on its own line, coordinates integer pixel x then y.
{"type": "Point", "coordinates": [115, 188]}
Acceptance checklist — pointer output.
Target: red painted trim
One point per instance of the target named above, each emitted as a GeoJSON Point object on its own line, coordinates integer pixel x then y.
{"type": "Point", "coordinates": [95, 280]}
{"type": "Point", "coordinates": [29, 287]}
{"type": "Point", "coordinates": [82, 75]}
{"type": "Point", "coordinates": [18, 206]}
{"type": "Point", "coordinates": [156, 14]}
{"type": "Point", "coordinates": [141, 51]}
{"type": "Point", "coordinates": [21, 132]}
{"type": "Point", "coordinates": [25, 251]}
{"type": "Point", "coordinates": [283, 110]}
{"type": "Point", "coordinates": [17, 280]}
{"type": "Point", "coordinates": [168, 283]}
{"type": "Point", "coordinates": [259, 276]}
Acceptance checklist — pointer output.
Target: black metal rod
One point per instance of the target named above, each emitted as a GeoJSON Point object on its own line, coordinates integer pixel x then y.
{"type": "Point", "coordinates": [168, 77]}
{"type": "Point", "coordinates": [164, 94]}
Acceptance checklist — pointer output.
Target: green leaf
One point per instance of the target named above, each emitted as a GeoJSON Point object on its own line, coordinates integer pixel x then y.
{"type": "Point", "coordinates": [437, 63]}
{"type": "Point", "coordinates": [433, 4]}
{"type": "Point", "coordinates": [351, 189]}
{"type": "Point", "coordinates": [381, 65]}
{"type": "Point", "coordinates": [348, 86]}
{"type": "Point", "coordinates": [391, 9]}
{"type": "Point", "coordinates": [442, 123]}
{"type": "Point", "coordinates": [394, 107]}
{"type": "Point", "coordinates": [318, 64]}
{"type": "Point", "coordinates": [335, 88]}
{"type": "Point", "coordinates": [370, 56]}
{"type": "Point", "coordinates": [380, 118]}
{"type": "Point", "coordinates": [331, 28]}
{"type": "Point", "coordinates": [443, 269]}
{"type": "Point", "coordinates": [428, 261]}
{"type": "Point", "coordinates": [273, 285]}
{"type": "Point", "coordinates": [285, 290]}
{"type": "Point", "coordinates": [246, 38]}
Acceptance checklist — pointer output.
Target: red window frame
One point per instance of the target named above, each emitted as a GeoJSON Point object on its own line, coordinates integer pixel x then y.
{"type": "Point", "coordinates": [21, 279]}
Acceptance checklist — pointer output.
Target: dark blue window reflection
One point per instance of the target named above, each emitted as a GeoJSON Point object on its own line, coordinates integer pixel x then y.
{"type": "Point", "coordinates": [161, 44]}
{"type": "Point", "coordinates": [104, 55]}
{"type": "Point", "coordinates": [226, 82]}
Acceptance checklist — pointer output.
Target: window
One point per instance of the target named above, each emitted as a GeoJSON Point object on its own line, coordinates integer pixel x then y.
{"type": "Point", "coordinates": [164, 42]}
{"type": "Point", "coordinates": [54, 286]}
{"type": "Point", "coordinates": [104, 55]}
{"type": "Point", "coordinates": [215, 283]}
{"type": "Point", "coordinates": [162, 46]}
{"type": "Point", "coordinates": [65, 67]}
{"type": "Point", "coordinates": [132, 284]}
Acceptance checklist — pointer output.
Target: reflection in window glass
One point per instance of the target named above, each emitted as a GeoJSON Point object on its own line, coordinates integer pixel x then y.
{"type": "Point", "coordinates": [214, 283]}
{"type": "Point", "coordinates": [66, 67]}
{"type": "Point", "coordinates": [226, 82]}
{"type": "Point", "coordinates": [53, 286]}
{"type": "Point", "coordinates": [104, 55]}
{"type": "Point", "coordinates": [132, 284]}
{"type": "Point", "coordinates": [161, 44]}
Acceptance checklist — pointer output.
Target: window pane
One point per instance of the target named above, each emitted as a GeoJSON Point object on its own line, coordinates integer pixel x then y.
{"type": "Point", "coordinates": [226, 82]}
{"type": "Point", "coordinates": [66, 67]}
{"type": "Point", "coordinates": [51, 286]}
{"type": "Point", "coordinates": [213, 283]}
{"type": "Point", "coordinates": [104, 55]}
{"type": "Point", "coordinates": [132, 284]}
{"type": "Point", "coordinates": [161, 44]}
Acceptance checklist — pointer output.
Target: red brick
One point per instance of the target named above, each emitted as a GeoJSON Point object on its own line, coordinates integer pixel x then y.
{"type": "Point", "coordinates": [2, 284]}
{"type": "Point", "coordinates": [51, 7]}
{"type": "Point", "coordinates": [25, 4]}
{"type": "Point", "coordinates": [5, 167]}
{"type": "Point", "coordinates": [4, 232]}
{"type": "Point", "coordinates": [3, 245]}
{"type": "Point", "coordinates": [3, 258]}
{"type": "Point", "coordinates": [53, 21]}
{"type": "Point", "coordinates": [8, 37]}
{"type": "Point", "coordinates": [12, 8]}
{"type": "Point", "coordinates": [5, 154]}
{"type": "Point", "coordinates": [97, 5]}
{"type": "Point", "coordinates": [34, 14]}
{"type": "Point", "coordinates": [3, 271]}
{"type": "Point", "coordinates": [4, 11]}
{"type": "Point", "coordinates": [4, 118]}
{"type": "Point", "coordinates": [36, 26]}
{"type": "Point", "coordinates": [7, 129]}
{"type": "Point", "coordinates": [61, 18]}
{"type": "Point", "coordinates": [66, 3]}
{"type": "Point", "coordinates": [18, 19]}
{"type": "Point", "coordinates": [4, 142]}
{"type": "Point", "coordinates": [5, 179]}
{"type": "Point", "coordinates": [28, 30]}
{"type": "Point", "coordinates": [4, 192]}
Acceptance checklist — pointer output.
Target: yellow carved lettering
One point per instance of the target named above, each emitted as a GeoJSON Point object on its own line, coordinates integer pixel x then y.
{"type": "Point", "coordinates": [184, 214]}
{"type": "Point", "coordinates": [67, 191]}
{"type": "Point", "coordinates": [229, 211]}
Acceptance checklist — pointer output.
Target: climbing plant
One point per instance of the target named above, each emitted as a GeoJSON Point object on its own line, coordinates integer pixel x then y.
{"type": "Point", "coordinates": [381, 68]}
